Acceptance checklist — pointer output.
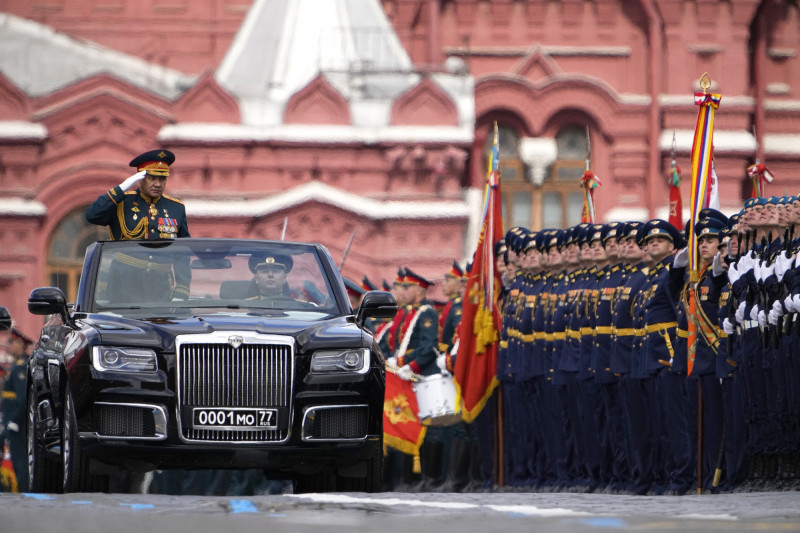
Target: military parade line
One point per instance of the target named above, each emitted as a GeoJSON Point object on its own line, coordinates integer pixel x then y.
{"type": "Point", "coordinates": [617, 371]}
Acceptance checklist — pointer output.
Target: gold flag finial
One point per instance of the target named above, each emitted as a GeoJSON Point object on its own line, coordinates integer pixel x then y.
{"type": "Point", "coordinates": [705, 82]}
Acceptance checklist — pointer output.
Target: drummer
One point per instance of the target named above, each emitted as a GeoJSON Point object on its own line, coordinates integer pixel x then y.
{"type": "Point", "coordinates": [416, 351]}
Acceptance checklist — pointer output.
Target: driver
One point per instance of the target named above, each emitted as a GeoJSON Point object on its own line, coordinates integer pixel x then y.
{"type": "Point", "coordinates": [270, 277]}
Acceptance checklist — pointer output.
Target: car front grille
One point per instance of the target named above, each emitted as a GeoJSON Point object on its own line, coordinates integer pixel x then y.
{"type": "Point", "coordinates": [336, 422]}
{"type": "Point", "coordinates": [221, 376]}
{"type": "Point", "coordinates": [124, 421]}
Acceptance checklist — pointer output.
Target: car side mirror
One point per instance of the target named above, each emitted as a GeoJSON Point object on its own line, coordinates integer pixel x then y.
{"type": "Point", "coordinates": [5, 319]}
{"type": "Point", "coordinates": [50, 301]}
{"type": "Point", "coordinates": [376, 304]}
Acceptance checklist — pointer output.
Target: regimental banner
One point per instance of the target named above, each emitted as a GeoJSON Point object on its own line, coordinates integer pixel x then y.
{"type": "Point", "coordinates": [402, 429]}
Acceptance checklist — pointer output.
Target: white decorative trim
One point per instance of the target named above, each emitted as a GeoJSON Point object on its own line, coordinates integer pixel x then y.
{"type": "Point", "coordinates": [626, 214]}
{"type": "Point", "coordinates": [23, 207]}
{"type": "Point", "coordinates": [320, 192]}
{"type": "Point", "coordinates": [781, 105]}
{"type": "Point", "coordinates": [724, 141]}
{"type": "Point", "coordinates": [782, 143]}
{"type": "Point", "coordinates": [303, 133]}
{"type": "Point", "coordinates": [687, 100]}
{"type": "Point", "coordinates": [19, 129]}
{"type": "Point", "coordinates": [555, 50]}
{"type": "Point", "coordinates": [781, 53]}
{"type": "Point", "coordinates": [778, 88]}
{"type": "Point", "coordinates": [401, 351]}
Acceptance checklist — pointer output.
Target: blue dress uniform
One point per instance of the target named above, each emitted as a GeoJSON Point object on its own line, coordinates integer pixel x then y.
{"type": "Point", "coordinates": [613, 446]}
{"type": "Point", "coordinates": [666, 389]}
{"type": "Point", "coordinates": [589, 402]}
{"type": "Point", "coordinates": [555, 469]}
{"type": "Point", "coordinates": [513, 371]}
{"type": "Point", "coordinates": [632, 401]}
{"type": "Point", "coordinates": [576, 314]}
{"type": "Point", "coordinates": [133, 215]}
{"type": "Point", "coordinates": [707, 349]}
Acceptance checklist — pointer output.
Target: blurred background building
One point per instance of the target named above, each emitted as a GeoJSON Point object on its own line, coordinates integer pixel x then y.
{"type": "Point", "coordinates": [333, 119]}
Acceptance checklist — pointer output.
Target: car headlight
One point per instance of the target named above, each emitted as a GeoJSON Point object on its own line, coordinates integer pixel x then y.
{"type": "Point", "coordinates": [340, 361]}
{"type": "Point", "coordinates": [108, 358]}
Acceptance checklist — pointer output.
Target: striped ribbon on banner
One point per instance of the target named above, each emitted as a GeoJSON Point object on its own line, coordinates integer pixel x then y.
{"type": "Point", "coordinates": [702, 158]}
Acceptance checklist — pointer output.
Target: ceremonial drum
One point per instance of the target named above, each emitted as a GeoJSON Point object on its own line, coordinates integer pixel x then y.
{"type": "Point", "coordinates": [436, 398]}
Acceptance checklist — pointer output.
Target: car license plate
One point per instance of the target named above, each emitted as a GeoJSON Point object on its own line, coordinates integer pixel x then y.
{"type": "Point", "coordinates": [226, 418]}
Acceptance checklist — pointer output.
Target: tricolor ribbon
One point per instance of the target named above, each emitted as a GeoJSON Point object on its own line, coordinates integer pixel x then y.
{"type": "Point", "coordinates": [589, 182]}
{"type": "Point", "coordinates": [702, 168]}
{"type": "Point", "coordinates": [760, 175]}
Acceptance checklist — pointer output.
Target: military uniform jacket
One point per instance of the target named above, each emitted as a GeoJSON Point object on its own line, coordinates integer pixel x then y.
{"type": "Point", "coordinates": [604, 321]}
{"type": "Point", "coordinates": [131, 215]}
{"type": "Point", "coordinates": [660, 320]}
{"type": "Point", "coordinates": [538, 303]}
{"type": "Point", "coordinates": [448, 323]}
{"type": "Point", "coordinates": [507, 365]}
{"type": "Point", "coordinates": [420, 340]}
{"type": "Point", "coordinates": [555, 335]}
{"type": "Point", "coordinates": [14, 395]}
{"type": "Point", "coordinates": [591, 294]}
{"type": "Point", "coordinates": [574, 314]}
{"type": "Point", "coordinates": [623, 313]}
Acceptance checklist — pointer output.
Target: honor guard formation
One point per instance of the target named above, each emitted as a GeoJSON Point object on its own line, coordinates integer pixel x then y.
{"type": "Point", "coordinates": [619, 372]}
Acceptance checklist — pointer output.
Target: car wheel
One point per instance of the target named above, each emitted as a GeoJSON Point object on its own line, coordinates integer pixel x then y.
{"type": "Point", "coordinates": [43, 472]}
{"type": "Point", "coordinates": [75, 466]}
{"type": "Point", "coordinates": [320, 482]}
{"type": "Point", "coordinates": [372, 482]}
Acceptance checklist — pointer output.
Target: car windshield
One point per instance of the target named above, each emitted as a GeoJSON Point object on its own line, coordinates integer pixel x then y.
{"type": "Point", "coordinates": [185, 276]}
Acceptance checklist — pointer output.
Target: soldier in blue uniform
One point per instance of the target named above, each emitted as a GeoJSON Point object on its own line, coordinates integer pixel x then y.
{"type": "Point", "coordinates": [14, 400]}
{"type": "Point", "coordinates": [664, 385]}
{"type": "Point", "coordinates": [614, 469]}
{"type": "Point", "coordinates": [146, 213]}
{"type": "Point", "coordinates": [625, 317]}
{"type": "Point", "coordinates": [706, 349]}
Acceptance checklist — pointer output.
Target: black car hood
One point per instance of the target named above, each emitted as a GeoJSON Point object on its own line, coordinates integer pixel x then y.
{"type": "Point", "coordinates": [339, 332]}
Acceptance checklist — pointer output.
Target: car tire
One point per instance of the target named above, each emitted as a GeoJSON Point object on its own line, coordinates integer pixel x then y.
{"type": "Point", "coordinates": [372, 482]}
{"type": "Point", "coordinates": [75, 466]}
{"type": "Point", "coordinates": [44, 476]}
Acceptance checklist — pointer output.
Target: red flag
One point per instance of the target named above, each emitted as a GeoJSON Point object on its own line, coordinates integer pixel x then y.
{"type": "Point", "coordinates": [402, 428]}
{"type": "Point", "coordinates": [476, 360]}
{"type": "Point", "coordinates": [675, 200]}
{"type": "Point", "coordinates": [8, 479]}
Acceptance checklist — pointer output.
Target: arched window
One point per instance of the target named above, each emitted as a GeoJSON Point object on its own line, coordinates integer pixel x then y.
{"type": "Point", "coordinates": [556, 202]}
{"type": "Point", "coordinates": [67, 248]}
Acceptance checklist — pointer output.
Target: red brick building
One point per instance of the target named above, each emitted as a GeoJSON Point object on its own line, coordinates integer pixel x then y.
{"type": "Point", "coordinates": [367, 118]}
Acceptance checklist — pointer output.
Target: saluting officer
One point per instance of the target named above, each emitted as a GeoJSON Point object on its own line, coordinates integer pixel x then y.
{"type": "Point", "coordinates": [143, 212]}
{"type": "Point", "coordinates": [138, 209]}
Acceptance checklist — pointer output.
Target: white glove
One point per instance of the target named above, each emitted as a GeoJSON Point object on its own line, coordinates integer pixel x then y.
{"type": "Point", "coordinates": [767, 270]}
{"type": "Point", "coordinates": [734, 273]}
{"type": "Point", "coordinates": [757, 272]}
{"type": "Point", "coordinates": [739, 314]}
{"type": "Point", "coordinates": [782, 264]}
{"type": "Point", "coordinates": [727, 327]}
{"type": "Point", "coordinates": [392, 361]}
{"type": "Point", "coordinates": [796, 302]}
{"type": "Point", "coordinates": [777, 307]}
{"type": "Point", "coordinates": [717, 265]}
{"type": "Point", "coordinates": [681, 258]}
{"type": "Point", "coordinates": [441, 362]}
{"type": "Point", "coordinates": [130, 182]}
{"type": "Point", "coordinates": [773, 317]}
{"type": "Point", "coordinates": [762, 319]}
{"type": "Point", "coordinates": [405, 373]}
{"type": "Point", "coordinates": [12, 426]}
{"type": "Point", "coordinates": [788, 304]}
{"type": "Point", "coordinates": [754, 313]}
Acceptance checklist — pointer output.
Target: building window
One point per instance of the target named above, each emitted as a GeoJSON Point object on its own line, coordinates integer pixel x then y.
{"type": "Point", "coordinates": [558, 201]}
{"type": "Point", "coordinates": [67, 249]}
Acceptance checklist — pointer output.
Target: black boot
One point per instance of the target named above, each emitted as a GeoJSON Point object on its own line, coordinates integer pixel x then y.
{"type": "Point", "coordinates": [477, 481]}
{"type": "Point", "coordinates": [409, 480]}
{"type": "Point", "coordinates": [458, 473]}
